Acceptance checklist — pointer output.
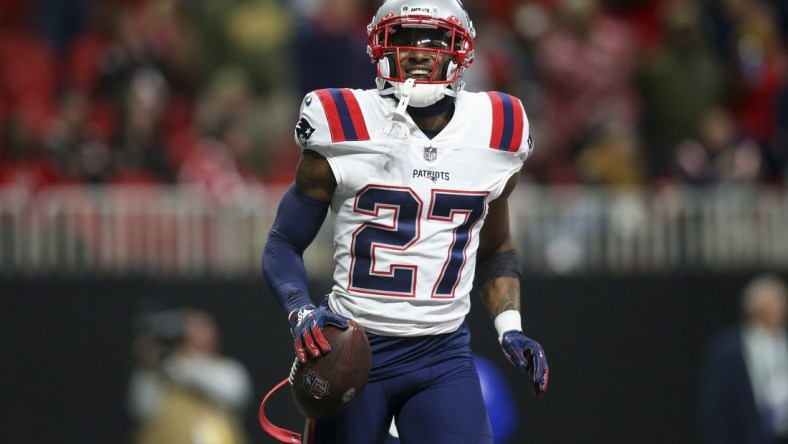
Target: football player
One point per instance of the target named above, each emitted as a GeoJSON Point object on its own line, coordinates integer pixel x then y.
{"type": "Point", "coordinates": [416, 175]}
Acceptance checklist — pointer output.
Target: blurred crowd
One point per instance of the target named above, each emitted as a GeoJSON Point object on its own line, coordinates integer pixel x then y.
{"type": "Point", "coordinates": [206, 92]}
{"type": "Point", "coordinates": [183, 389]}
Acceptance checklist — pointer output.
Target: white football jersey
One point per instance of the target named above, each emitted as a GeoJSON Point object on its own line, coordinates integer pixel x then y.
{"type": "Point", "coordinates": [407, 211]}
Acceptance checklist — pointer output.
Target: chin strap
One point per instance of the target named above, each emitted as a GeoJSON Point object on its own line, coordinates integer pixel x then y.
{"type": "Point", "coordinates": [398, 118]}
{"type": "Point", "coordinates": [279, 433]}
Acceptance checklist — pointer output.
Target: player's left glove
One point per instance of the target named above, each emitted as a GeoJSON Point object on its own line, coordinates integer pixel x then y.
{"type": "Point", "coordinates": [527, 355]}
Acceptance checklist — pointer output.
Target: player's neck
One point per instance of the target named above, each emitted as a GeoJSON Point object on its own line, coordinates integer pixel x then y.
{"type": "Point", "coordinates": [434, 117]}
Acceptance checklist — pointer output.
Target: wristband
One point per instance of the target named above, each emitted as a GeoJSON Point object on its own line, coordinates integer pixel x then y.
{"type": "Point", "coordinates": [296, 315]}
{"type": "Point", "coordinates": [506, 264]}
{"type": "Point", "coordinates": [507, 321]}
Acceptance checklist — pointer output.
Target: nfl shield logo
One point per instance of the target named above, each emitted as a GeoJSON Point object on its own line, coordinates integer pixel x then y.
{"type": "Point", "coordinates": [430, 153]}
{"type": "Point", "coordinates": [315, 385]}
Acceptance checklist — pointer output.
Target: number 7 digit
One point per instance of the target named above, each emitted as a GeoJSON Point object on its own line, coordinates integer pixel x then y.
{"type": "Point", "coordinates": [400, 279]}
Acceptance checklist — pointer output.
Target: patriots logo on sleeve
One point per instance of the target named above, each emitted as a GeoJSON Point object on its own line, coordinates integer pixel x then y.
{"type": "Point", "coordinates": [303, 131]}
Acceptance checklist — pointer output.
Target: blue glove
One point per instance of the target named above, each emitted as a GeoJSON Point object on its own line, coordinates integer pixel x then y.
{"type": "Point", "coordinates": [307, 324]}
{"type": "Point", "coordinates": [527, 355]}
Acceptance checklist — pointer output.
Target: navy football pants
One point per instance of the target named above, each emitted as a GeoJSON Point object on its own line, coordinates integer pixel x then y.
{"type": "Point", "coordinates": [439, 404]}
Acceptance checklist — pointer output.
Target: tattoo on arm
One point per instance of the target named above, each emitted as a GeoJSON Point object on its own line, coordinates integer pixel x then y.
{"type": "Point", "coordinates": [501, 294]}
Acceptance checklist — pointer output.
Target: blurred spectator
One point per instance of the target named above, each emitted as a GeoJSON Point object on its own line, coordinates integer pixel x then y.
{"type": "Point", "coordinates": [498, 61]}
{"type": "Point", "coordinates": [254, 34]}
{"type": "Point", "coordinates": [127, 36]}
{"type": "Point", "coordinates": [21, 164]}
{"type": "Point", "coordinates": [643, 15]}
{"type": "Point", "coordinates": [214, 164]}
{"type": "Point", "coordinates": [27, 77]}
{"type": "Point", "coordinates": [532, 20]}
{"type": "Point", "coordinates": [135, 64]}
{"type": "Point", "coordinates": [760, 71]}
{"type": "Point", "coordinates": [719, 153]}
{"type": "Point", "coordinates": [737, 157]}
{"type": "Point", "coordinates": [240, 137]}
{"type": "Point", "coordinates": [279, 155]}
{"type": "Point", "coordinates": [182, 390]}
{"type": "Point", "coordinates": [778, 154]}
{"type": "Point", "coordinates": [329, 49]}
{"type": "Point", "coordinates": [138, 152]}
{"type": "Point", "coordinates": [613, 156]}
{"type": "Point", "coordinates": [693, 164]}
{"type": "Point", "coordinates": [745, 383]}
{"type": "Point", "coordinates": [586, 62]}
{"type": "Point", "coordinates": [678, 84]}
{"type": "Point", "coordinates": [720, 18]}
{"type": "Point", "coordinates": [763, 77]}
{"type": "Point", "coordinates": [60, 21]}
{"type": "Point", "coordinates": [77, 146]}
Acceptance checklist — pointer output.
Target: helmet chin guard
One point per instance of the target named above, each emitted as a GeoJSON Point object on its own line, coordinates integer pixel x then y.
{"type": "Point", "coordinates": [437, 31]}
{"type": "Point", "coordinates": [421, 95]}
{"type": "Point", "coordinates": [424, 95]}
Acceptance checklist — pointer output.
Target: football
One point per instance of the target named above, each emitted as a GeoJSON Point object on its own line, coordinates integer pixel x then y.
{"type": "Point", "coordinates": [323, 386]}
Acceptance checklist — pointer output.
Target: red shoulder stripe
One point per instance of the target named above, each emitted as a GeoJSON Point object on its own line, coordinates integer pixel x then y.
{"type": "Point", "coordinates": [343, 112]}
{"type": "Point", "coordinates": [507, 122]}
{"type": "Point", "coordinates": [356, 116]}
{"type": "Point", "coordinates": [332, 115]}
{"type": "Point", "coordinates": [497, 120]}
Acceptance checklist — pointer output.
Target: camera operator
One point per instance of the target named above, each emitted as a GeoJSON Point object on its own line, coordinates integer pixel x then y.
{"type": "Point", "coordinates": [182, 391]}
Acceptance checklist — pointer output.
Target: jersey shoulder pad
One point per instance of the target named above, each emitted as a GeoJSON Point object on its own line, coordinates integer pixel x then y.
{"type": "Point", "coordinates": [509, 130]}
{"type": "Point", "coordinates": [330, 116]}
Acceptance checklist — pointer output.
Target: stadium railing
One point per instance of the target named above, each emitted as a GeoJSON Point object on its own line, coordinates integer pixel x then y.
{"type": "Point", "coordinates": [182, 231]}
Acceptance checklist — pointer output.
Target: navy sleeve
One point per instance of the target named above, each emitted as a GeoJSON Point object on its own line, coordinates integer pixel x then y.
{"type": "Point", "coordinates": [298, 220]}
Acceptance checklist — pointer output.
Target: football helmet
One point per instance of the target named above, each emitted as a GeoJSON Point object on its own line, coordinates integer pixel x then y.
{"type": "Point", "coordinates": [429, 41]}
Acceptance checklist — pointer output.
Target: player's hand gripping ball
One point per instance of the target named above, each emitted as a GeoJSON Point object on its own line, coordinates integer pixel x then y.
{"type": "Point", "coordinates": [527, 355]}
{"type": "Point", "coordinates": [325, 384]}
{"type": "Point", "coordinates": [307, 324]}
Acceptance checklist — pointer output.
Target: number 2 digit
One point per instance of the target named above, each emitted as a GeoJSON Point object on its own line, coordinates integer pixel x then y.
{"type": "Point", "coordinates": [404, 232]}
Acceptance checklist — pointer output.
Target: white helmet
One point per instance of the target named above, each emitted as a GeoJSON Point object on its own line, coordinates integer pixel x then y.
{"type": "Point", "coordinates": [439, 28]}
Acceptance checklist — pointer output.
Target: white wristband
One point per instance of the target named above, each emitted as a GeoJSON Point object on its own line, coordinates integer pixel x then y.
{"type": "Point", "coordinates": [507, 321]}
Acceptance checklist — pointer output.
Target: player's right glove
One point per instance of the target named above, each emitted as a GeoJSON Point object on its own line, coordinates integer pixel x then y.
{"type": "Point", "coordinates": [306, 325]}
{"type": "Point", "coordinates": [527, 355]}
